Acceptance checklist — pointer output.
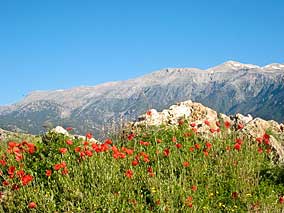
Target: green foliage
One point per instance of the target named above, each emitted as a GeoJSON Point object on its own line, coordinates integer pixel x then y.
{"type": "Point", "coordinates": [156, 169]}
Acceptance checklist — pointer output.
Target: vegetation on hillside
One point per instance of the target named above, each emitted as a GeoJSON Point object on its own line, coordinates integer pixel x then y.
{"type": "Point", "coordinates": [155, 169]}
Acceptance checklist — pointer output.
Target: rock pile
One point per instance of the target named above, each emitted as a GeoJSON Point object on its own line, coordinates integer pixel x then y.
{"type": "Point", "coordinates": [206, 121]}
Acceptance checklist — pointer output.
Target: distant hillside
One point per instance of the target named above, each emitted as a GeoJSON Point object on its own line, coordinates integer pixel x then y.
{"type": "Point", "coordinates": [230, 88]}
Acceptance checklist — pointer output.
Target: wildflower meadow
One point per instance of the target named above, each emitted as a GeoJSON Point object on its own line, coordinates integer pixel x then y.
{"type": "Point", "coordinates": [154, 169]}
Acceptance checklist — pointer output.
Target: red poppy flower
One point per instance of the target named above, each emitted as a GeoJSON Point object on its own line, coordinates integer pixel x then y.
{"type": "Point", "coordinates": [129, 173]}
{"type": "Point", "coordinates": [259, 150]}
{"type": "Point", "coordinates": [166, 152]}
{"type": "Point", "coordinates": [26, 179]}
{"type": "Point", "coordinates": [189, 198]}
{"type": "Point", "coordinates": [82, 154]}
{"type": "Point", "coordinates": [135, 163]}
{"type": "Point", "coordinates": [212, 130]}
{"type": "Point", "coordinates": [193, 124]}
{"type": "Point", "coordinates": [159, 141]}
{"type": "Point", "coordinates": [108, 141]}
{"type": "Point", "coordinates": [259, 140]}
{"type": "Point", "coordinates": [191, 149]}
{"type": "Point", "coordinates": [205, 152]}
{"type": "Point", "coordinates": [104, 147]}
{"type": "Point", "coordinates": [235, 195]}
{"type": "Point", "coordinates": [32, 205]}
{"type": "Point", "coordinates": [18, 157]}
{"type": "Point", "coordinates": [227, 124]}
{"type": "Point", "coordinates": [115, 155]}
{"type": "Point", "coordinates": [3, 163]}
{"type": "Point", "coordinates": [218, 123]}
{"type": "Point", "coordinates": [11, 170]}
{"type": "Point", "coordinates": [69, 142]}
{"type": "Point", "coordinates": [63, 164]}
{"type": "Point", "coordinates": [15, 187]}
{"type": "Point", "coordinates": [114, 149]}
{"type": "Point", "coordinates": [20, 173]}
{"type": "Point", "coordinates": [185, 164]}
{"type": "Point", "coordinates": [130, 137]}
{"type": "Point", "coordinates": [77, 149]}
{"type": "Point", "coordinates": [146, 159]}
{"type": "Point", "coordinates": [237, 146]}
{"type": "Point", "coordinates": [190, 205]}
{"type": "Point", "coordinates": [57, 167]}
{"type": "Point", "coordinates": [281, 199]}
{"type": "Point", "coordinates": [89, 153]}
{"type": "Point", "coordinates": [180, 122]}
{"type": "Point", "coordinates": [207, 122]}
{"type": "Point", "coordinates": [208, 145]}
{"type": "Point", "coordinates": [89, 135]}
{"type": "Point", "coordinates": [144, 143]}
{"type": "Point", "coordinates": [194, 188]}
{"type": "Point", "coordinates": [12, 144]}
{"type": "Point", "coordinates": [48, 173]}
{"type": "Point", "coordinates": [266, 136]}
{"type": "Point", "coordinates": [239, 141]}
{"type": "Point", "coordinates": [32, 148]}
{"type": "Point", "coordinates": [240, 126]}
{"type": "Point", "coordinates": [178, 145]}
{"type": "Point", "coordinates": [98, 147]}
{"type": "Point", "coordinates": [64, 171]}
{"type": "Point", "coordinates": [5, 183]}
{"type": "Point", "coordinates": [158, 202]}
{"type": "Point", "coordinates": [174, 139]}
{"type": "Point", "coordinates": [197, 146]}
{"type": "Point", "coordinates": [18, 149]}
{"type": "Point", "coordinates": [150, 169]}
{"type": "Point", "coordinates": [63, 150]}
{"type": "Point", "coordinates": [149, 112]}
{"type": "Point", "coordinates": [187, 134]}
{"type": "Point", "coordinates": [145, 155]}
{"type": "Point", "coordinates": [122, 155]}
{"type": "Point", "coordinates": [69, 129]}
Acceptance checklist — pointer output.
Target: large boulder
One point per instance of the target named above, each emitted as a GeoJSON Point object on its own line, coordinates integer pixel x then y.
{"type": "Point", "coordinates": [257, 127]}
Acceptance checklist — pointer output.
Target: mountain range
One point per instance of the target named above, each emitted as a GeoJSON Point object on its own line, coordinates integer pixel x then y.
{"type": "Point", "coordinates": [230, 88]}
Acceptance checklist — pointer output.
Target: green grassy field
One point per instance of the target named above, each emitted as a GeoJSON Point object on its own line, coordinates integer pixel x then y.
{"type": "Point", "coordinates": [158, 169]}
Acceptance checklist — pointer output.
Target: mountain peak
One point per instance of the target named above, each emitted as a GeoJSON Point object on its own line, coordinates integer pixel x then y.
{"type": "Point", "coordinates": [233, 65]}
{"type": "Point", "coordinates": [238, 65]}
{"type": "Point", "coordinates": [274, 66]}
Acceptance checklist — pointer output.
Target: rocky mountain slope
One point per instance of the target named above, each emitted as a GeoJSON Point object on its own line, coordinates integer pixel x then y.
{"type": "Point", "coordinates": [229, 88]}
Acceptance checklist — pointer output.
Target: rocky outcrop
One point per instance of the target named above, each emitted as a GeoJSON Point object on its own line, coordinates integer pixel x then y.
{"type": "Point", "coordinates": [206, 122]}
{"type": "Point", "coordinates": [61, 130]}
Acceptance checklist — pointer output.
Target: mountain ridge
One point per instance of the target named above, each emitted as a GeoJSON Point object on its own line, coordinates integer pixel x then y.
{"type": "Point", "coordinates": [229, 88]}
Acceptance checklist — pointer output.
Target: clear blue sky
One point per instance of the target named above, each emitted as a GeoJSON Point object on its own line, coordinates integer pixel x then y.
{"type": "Point", "coordinates": [53, 44]}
